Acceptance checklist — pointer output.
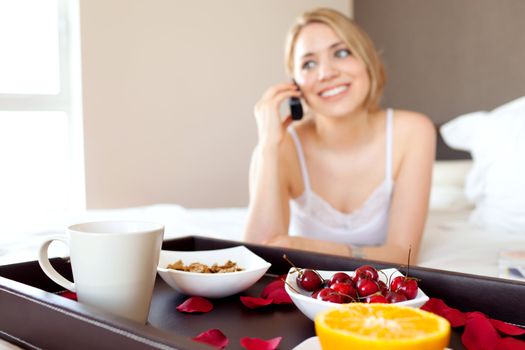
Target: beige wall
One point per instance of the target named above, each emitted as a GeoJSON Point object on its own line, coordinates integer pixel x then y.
{"type": "Point", "coordinates": [168, 92]}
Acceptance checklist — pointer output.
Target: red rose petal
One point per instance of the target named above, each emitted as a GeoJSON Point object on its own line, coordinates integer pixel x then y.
{"type": "Point", "coordinates": [259, 344]}
{"type": "Point", "coordinates": [507, 328]}
{"type": "Point", "coordinates": [476, 314]}
{"type": "Point", "coordinates": [438, 306]}
{"type": "Point", "coordinates": [455, 317]}
{"type": "Point", "coordinates": [213, 337]}
{"type": "Point", "coordinates": [195, 304]}
{"type": "Point", "coordinates": [68, 294]}
{"type": "Point", "coordinates": [270, 287]}
{"type": "Point", "coordinates": [254, 303]}
{"type": "Point", "coordinates": [479, 333]}
{"type": "Point", "coordinates": [508, 343]}
{"type": "Point", "coordinates": [280, 296]}
{"type": "Point", "coordinates": [434, 305]}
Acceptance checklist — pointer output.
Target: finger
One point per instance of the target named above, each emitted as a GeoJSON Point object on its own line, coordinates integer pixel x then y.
{"type": "Point", "coordinates": [275, 101]}
{"type": "Point", "coordinates": [281, 96]}
{"type": "Point", "coordinates": [277, 89]}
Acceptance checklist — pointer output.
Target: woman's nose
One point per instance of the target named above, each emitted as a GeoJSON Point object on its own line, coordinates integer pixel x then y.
{"type": "Point", "coordinates": [326, 70]}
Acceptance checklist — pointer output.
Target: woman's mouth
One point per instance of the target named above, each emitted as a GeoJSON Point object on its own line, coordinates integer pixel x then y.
{"type": "Point", "coordinates": [334, 91]}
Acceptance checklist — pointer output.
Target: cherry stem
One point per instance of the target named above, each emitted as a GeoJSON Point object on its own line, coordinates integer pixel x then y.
{"type": "Point", "coordinates": [376, 293]}
{"type": "Point", "coordinates": [389, 280]}
{"type": "Point", "coordinates": [291, 263]}
{"type": "Point", "coordinates": [408, 265]}
{"type": "Point", "coordinates": [289, 285]}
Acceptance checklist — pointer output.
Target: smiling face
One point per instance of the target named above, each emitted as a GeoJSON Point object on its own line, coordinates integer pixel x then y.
{"type": "Point", "coordinates": [334, 82]}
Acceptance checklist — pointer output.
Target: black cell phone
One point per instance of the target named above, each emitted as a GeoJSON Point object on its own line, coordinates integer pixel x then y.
{"type": "Point", "coordinates": [296, 108]}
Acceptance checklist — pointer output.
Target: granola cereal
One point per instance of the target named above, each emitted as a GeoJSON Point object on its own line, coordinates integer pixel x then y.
{"type": "Point", "coordinates": [229, 266]}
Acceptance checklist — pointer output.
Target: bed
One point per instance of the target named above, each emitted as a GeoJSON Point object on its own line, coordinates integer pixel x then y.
{"type": "Point", "coordinates": [450, 242]}
{"type": "Point", "coordinates": [454, 239]}
{"type": "Point", "coordinates": [467, 229]}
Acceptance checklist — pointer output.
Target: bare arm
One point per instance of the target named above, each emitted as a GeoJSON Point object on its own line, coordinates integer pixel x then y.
{"type": "Point", "coordinates": [410, 198]}
{"type": "Point", "coordinates": [310, 244]}
{"type": "Point", "coordinates": [268, 214]}
{"type": "Point", "coordinates": [268, 211]}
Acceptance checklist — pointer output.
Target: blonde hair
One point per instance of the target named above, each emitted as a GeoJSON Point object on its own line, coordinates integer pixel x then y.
{"type": "Point", "coordinates": [353, 36]}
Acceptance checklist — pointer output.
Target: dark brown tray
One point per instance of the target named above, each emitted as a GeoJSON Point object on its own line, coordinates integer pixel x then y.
{"type": "Point", "coordinates": [33, 316]}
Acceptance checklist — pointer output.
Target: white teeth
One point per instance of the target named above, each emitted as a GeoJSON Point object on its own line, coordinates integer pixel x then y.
{"type": "Point", "coordinates": [334, 91]}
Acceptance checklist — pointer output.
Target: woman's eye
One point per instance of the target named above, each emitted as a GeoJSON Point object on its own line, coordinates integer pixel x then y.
{"type": "Point", "coordinates": [342, 53]}
{"type": "Point", "coordinates": [308, 65]}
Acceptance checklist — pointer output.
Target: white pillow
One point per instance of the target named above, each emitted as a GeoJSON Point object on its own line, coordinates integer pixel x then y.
{"type": "Point", "coordinates": [496, 182]}
{"type": "Point", "coordinates": [448, 180]}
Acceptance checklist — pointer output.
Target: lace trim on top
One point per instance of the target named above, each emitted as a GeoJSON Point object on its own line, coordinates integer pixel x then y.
{"type": "Point", "coordinates": [310, 204]}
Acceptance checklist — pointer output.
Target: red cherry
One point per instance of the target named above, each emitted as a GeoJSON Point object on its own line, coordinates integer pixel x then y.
{"type": "Point", "coordinates": [316, 293]}
{"type": "Point", "coordinates": [376, 298]}
{"type": "Point", "coordinates": [309, 280]}
{"type": "Point", "coordinates": [382, 287]}
{"type": "Point", "coordinates": [338, 298]}
{"type": "Point", "coordinates": [405, 285]}
{"type": "Point", "coordinates": [395, 297]}
{"type": "Point", "coordinates": [357, 278]}
{"type": "Point", "coordinates": [396, 283]}
{"type": "Point", "coordinates": [367, 271]}
{"type": "Point", "coordinates": [327, 294]}
{"type": "Point", "coordinates": [366, 287]}
{"type": "Point", "coordinates": [344, 288]}
{"type": "Point", "coordinates": [340, 277]}
{"type": "Point", "coordinates": [408, 288]}
{"type": "Point", "coordinates": [322, 294]}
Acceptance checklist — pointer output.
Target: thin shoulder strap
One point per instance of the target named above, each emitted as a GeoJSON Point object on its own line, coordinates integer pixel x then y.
{"type": "Point", "coordinates": [389, 146]}
{"type": "Point", "coordinates": [300, 153]}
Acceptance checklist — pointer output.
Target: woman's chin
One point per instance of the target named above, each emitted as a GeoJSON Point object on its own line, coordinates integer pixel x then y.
{"type": "Point", "coordinates": [339, 113]}
{"type": "Point", "coordinates": [341, 109]}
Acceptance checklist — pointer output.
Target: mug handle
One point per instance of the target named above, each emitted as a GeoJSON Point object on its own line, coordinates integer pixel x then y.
{"type": "Point", "coordinates": [49, 270]}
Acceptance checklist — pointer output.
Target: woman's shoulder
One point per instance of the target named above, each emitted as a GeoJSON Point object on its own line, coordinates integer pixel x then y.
{"type": "Point", "coordinates": [412, 118]}
{"type": "Point", "coordinates": [413, 131]}
{"type": "Point", "coordinates": [410, 123]}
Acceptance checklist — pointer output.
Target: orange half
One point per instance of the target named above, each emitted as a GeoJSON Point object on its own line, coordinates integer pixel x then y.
{"type": "Point", "coordinates": [360, 326]}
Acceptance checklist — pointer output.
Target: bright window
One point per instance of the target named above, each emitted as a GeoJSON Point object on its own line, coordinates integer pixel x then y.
{"type": "Point", "coordinates": [41, 154]}
{"type": "Point", "coordinates": [29, 34]}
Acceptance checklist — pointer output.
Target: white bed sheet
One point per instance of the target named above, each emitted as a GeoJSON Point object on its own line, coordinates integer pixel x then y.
{"type": "Point", "coordinates": [225, 223]}
{"type": "Point", "coordinates": [450, 241]}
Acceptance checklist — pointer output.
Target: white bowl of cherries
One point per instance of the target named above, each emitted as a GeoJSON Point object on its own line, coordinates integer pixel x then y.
{"type": "Point", "coordinates": [313, 291]}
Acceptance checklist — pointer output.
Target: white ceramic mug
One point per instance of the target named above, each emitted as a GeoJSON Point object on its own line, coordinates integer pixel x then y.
{"type": "Point", "coordinates": [114, 265]}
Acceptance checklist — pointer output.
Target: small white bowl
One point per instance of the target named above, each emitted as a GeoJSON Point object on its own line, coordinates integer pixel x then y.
{"type": "Point", "coordinates": [212, 285]}
{"type": "Point", "coordinates": [311, 307]}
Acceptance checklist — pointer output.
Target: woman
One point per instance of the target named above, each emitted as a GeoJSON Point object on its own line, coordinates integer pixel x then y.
{"type": "Point", "coordinates": [352, 179]}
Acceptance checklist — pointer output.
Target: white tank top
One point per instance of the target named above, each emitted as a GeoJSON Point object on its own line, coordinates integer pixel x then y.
{"type": "Point", "coordinates": [313, 217]}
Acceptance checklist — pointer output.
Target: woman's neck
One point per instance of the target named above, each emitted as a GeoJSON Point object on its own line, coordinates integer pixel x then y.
{"type": "Point", "coordinates": [350, 131]}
